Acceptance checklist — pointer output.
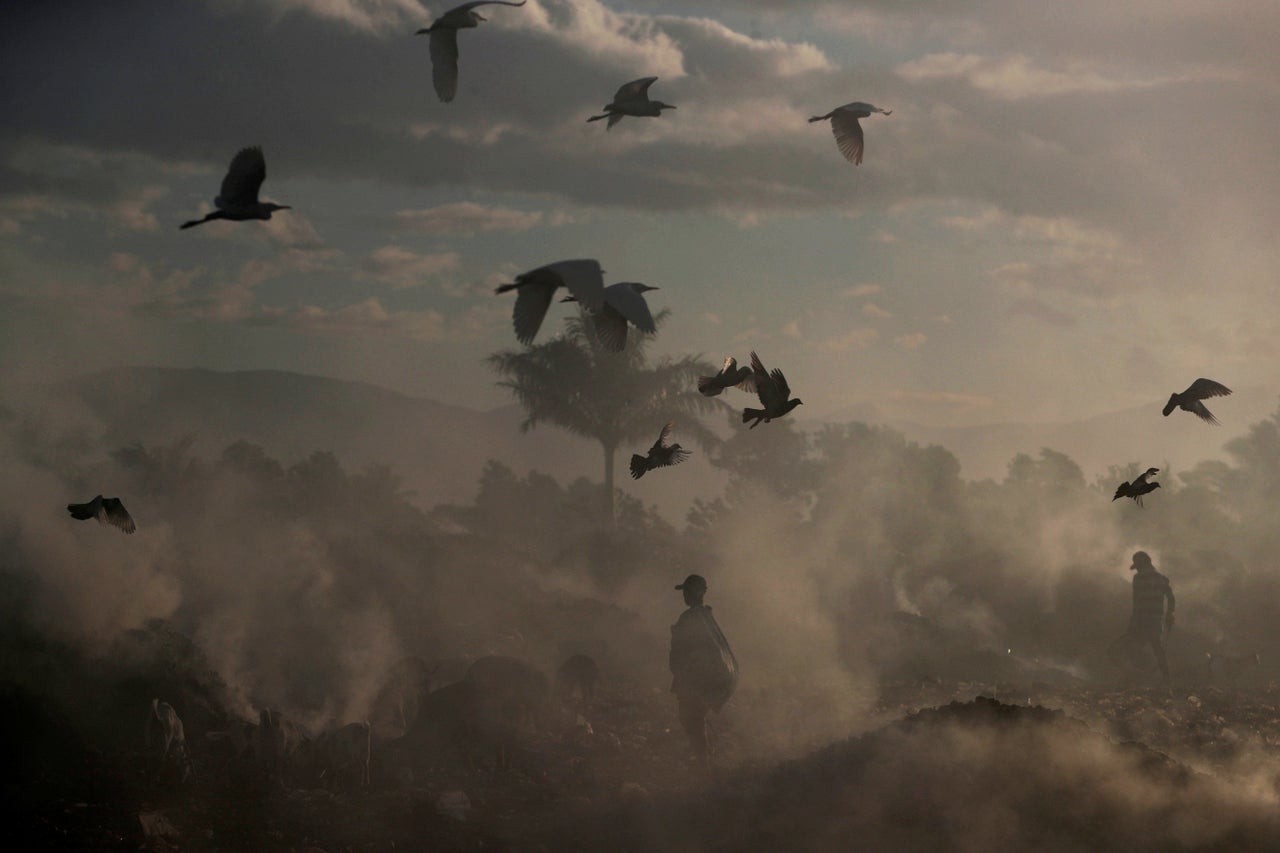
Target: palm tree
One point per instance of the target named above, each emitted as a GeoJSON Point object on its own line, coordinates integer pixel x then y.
{"type": "Point", "coordinates": [614, 398]}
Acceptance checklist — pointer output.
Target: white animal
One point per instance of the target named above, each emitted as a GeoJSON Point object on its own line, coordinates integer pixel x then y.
{"type": "Point", "coordinates": [583, 278]}
{"type": "Point", "coordinates": [632, 99]}
{"type": "Point", "coordinates": [165, 740]}
{"type": "Point", "coordinates": [238, 199]}
{"type": "Point", "coordinates": [623, 303]}
{"type": "Point", "coordinates": [275, 743]}
{"type": "Point", "coordinates": [846, 128]}
{"type": "Point", "coordinates": [346, 755]}
{"type": "Point", "coordinates": [444, 43]}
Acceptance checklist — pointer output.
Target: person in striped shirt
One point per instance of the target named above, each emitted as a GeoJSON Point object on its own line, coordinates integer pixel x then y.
{"type": "Point", "coordinates": [1150, 619]}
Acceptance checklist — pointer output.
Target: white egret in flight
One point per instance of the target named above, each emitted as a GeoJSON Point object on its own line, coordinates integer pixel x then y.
{"type": "Point", "coordinates": [238, 199]}
{"type": "Point", "coordinates": [847, 130]}
{"type": "Point", "coordinates": [632, 100]}
{"type": "Point", "coordinates": [582, 278]}
{"type": "Point", "coordinates": [444, 43]}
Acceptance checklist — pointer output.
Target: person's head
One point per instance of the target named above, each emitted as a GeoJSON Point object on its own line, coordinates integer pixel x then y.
{"type": "Point", "coordinates": [1141, 562]}
{"type": "Point", "coordinates": [694, 588]}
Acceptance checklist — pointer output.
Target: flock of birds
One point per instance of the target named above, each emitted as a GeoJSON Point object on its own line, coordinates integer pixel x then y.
{"type": "Point", "coordinates": [1190, 400]}
{"type": "Point", "coordinates": [613, 308]}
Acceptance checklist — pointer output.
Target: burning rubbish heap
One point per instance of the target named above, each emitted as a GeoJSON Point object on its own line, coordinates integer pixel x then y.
{"type": "Point", "coordinates": [978, 775]}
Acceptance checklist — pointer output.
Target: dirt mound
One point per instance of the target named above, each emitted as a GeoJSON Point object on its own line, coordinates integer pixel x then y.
{"type": "Point", "coordinates": [979, 776]}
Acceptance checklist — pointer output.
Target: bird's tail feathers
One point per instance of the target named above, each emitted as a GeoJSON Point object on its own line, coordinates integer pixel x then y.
{"type": "Point", "coordinates": [707, 386]}
{"type": "Point", "coordinates": [597, 118]}
{"type": "Point", "coordinates": [748, 414]}
{"type": "Point", "coordinates": [503, 288]}
{"type": "Point", "coordinates": [820, 118]}
{"type": "Point", "coordinates": [80, 511]}
{"type": "Point", "coordinates": [639, 465]}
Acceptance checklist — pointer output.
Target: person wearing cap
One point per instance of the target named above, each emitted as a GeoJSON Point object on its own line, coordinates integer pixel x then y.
{"type": "Point", "coordinates": [1150, 618]}
{"type": "Point", "coordinates": [703, 669]}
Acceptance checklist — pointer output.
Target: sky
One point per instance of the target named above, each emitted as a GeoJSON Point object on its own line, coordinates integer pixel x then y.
{"type": "Point", "coordinates": [1073, 208]}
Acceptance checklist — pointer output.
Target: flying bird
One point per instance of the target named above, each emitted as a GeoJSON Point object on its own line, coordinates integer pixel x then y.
{"type": "Point", "coordinates": [730, 376]}
{"type": "Point", "coordinates": [660, 455]}
{"type": "Point", "coordinates": [623, 303]}
{"type": "Point", "coordinates": [847, 129]}
{"type": "Point", "coordinates": [632, 99]}
{"type": "Point", "coordinates": [1138, 487]}
{"type": "Point", "coordinates": [1189, 400]}
{"type": "Point", "coordinates": [444, 43]}
{"type": "Point", "coordinates": [106, 510]}
{"type": "Point", "coordinates": [583, 278]}
{"type": "Point", "coordinates": [773, 391]}
{"type": "Point", "coordinates": [238, 199]}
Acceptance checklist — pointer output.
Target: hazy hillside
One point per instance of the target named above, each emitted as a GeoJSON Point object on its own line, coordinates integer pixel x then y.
{"type": "Point", "coordinates": [439, 449]}
{"type": "Point", "coordinates": [1140, 434]}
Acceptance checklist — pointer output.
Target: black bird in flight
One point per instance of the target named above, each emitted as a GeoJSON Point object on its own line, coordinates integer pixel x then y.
{"type": "Point", "coordinates": [660, 455]}
{"type": "Point", "coordinates": [773, 391]}
{"type": "Point", "coordinates": [730, 376]}
{"type": "Point", "coordinates": [1189, 400]}
{"type": "Point", "coordinates": [106, 510]}
{"type": "Point", "coordinates": [238, 198]}
{"type": "Point", "coordinates": [1138, 487]}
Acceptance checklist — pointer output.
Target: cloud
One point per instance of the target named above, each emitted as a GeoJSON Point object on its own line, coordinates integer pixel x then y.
{"type": "Point", "coordinates": [911, 341]}
{"type": "Point", "coordinates": [1018, 76]}
{"type": "Point", "coordinates": [1030, 306]}
{"type": "Point", "coordinates": [466, 218]}
{"type": "Point", "coordinates": [853, 339]}
{"type": "Point", "coordinates": [402, 268]}
{"type": "Point", "coordinates": [941, 399]}
{"type": "Point", "coordinates": [791, 330]}
{"type": "Point", "coordinates": [871, 309]}
{"type": "Point", "coordinates": [374, 16]}
{"type": "Point", "coordinates": [864, 289]}
{"type": "Point", "coordinates": [362, 318]}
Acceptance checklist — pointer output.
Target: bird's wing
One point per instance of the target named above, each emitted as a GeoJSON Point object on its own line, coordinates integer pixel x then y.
{"type": "Point", "coordinates": [614, 118]}
{"type": "Point", "coordinates": [611, 328]}
{"type": "Point", "coordinates": [1203, 389]}
{"type": "Point", "coordinates": [467, 7]}
{"type": "Point", "coordinates": [532, 300]}
{"type": "Point", "coordinates": [848, 134]}
{"type": "Point", "coordinates": [636, 90]}
{"type": "Point", "coordinates": [245, 175]}
{"type": "Point", "coordinates": [675, 457]}
{"type": "Point", "coordinates": [665, 434]}
{"type": "Point", "coordinates": [746, 380]}
{"type": "Point", "coordinates": [114, 513]}
{"type": "Point", "coordinates": [583, 278]}
{"type": "Point", "coordinates": [765, 388]}
{"type": "Point", "coordinates": [444, 63]}
{"type": "Point", "coordinates": [780, 384]}
{"type": "Point", "coordinates": [1202, 413]}
{"type": "Point", "coordinates": [1141, 479]}
{"type": "Point", "coordinates": [623, 298]}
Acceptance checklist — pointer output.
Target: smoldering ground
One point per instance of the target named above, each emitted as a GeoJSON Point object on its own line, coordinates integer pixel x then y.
{"type": "Point", "coordinates": [857, 575]}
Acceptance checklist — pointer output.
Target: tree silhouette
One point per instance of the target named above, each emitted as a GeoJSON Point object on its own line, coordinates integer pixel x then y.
{"type": "Point", "coordinates": [613, 398]}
